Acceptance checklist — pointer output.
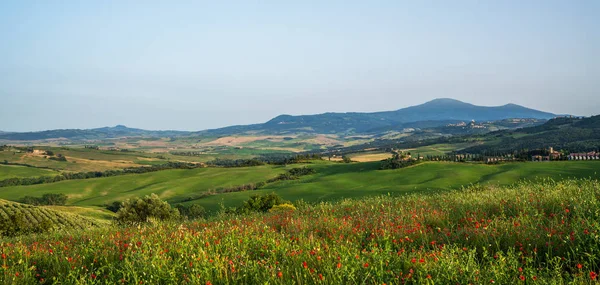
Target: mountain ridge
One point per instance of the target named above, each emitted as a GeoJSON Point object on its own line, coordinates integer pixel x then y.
{"type": "Point", "coordinates": [437, 112]}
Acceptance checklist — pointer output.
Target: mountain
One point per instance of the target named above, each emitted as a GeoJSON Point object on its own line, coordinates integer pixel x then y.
{"type": "Point", "coordinates": [89, 134]}
{"type": "Point", "coordinates": [437, 112]}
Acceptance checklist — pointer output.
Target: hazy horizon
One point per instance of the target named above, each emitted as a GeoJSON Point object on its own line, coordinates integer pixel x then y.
{"type": "Point", "coordinates": [203, 65]}
{"type": "Point", "coordinates": [135, 127]}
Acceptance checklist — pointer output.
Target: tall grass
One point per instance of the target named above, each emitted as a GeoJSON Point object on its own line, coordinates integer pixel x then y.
{"type": "Point", "coordinates": [541, 232]}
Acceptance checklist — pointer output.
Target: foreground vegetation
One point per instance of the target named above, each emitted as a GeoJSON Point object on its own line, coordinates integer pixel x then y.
{"type": "Point", "coordinates": [541, 232]}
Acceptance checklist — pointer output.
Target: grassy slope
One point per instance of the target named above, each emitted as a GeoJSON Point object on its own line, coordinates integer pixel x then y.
{"type": "Point", "coordinates": [335, 181]}
{"type": "Point", "coordinates": [332, 181]}
{"type": "Point", "coordinates": [11, 171]}
{"type": "Point", "coordinates": [167, 184]}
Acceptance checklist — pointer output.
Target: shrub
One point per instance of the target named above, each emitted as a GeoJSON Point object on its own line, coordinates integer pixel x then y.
{"type": "Point", "coordinates": [191, 212]}
{"type": "Point", "coordinates": [141, 210]}
{"type": "Point", "coordinates": [114, 206]}
{"type": "Point", "coordinates": [258, 203]}
{"type": "Point", "coordinates": [282, 208]}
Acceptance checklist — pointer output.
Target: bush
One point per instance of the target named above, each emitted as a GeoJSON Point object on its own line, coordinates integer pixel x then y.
{"type": "Point", "coordinates": [258, 203]}
{"type": "Point", "coordinates": [191, 212]}
{"type": "Point", "coordinates": [282, 208]}
{"type": "Point", "coordinates": [141, 210]}
{"type": "Point", "coordinates": [346, 159]}
{"type": "Point", "coordinates": [114, 206]}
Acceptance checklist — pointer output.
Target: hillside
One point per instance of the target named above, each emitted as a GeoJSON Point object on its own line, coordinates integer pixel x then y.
{"type": "Point", "coordinates": [36, 217]}
{"type": "Point", "coordinates": [332, 181]}
{"type": "Point", "coordinates": [568, 134]}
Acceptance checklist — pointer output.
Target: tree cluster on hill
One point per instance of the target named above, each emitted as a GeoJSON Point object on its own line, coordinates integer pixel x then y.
{"type": "Point", "coordinates": [95, 174]}
{"type": "Point", "coordinates": [399, 160]}
{"type": "Point", "coordinates": [145, 209]}
{"type": "Point", "coordinates": [260, 203]}
{"type": "Point", "coordinates": [46, 199]}
{"type": "Point", "coordinates": [293, 174]}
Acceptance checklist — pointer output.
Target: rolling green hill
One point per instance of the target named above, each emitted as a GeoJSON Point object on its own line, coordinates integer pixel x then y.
{"type": "Point", "coordinates": [332, 181]}
{"type": "Point", "coordinates": [12, 171]}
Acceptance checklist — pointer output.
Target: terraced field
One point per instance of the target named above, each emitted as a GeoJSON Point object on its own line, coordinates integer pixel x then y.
{"type": "Point", "coordinates": [35, 215]}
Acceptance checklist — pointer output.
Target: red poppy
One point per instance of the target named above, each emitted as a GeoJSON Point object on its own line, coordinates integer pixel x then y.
{"type": "Point", "coordinates": [579, 265]}
{"type": "Point", "coordinates": [593, 275]}
{"type": "Point", "coordinates": [279, 274]}
{"type": "Point", "coordinates": [339, 265]}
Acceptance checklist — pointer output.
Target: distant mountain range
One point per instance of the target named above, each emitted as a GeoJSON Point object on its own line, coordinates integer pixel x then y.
{"type": "Point", "coordinates": [434, 113]}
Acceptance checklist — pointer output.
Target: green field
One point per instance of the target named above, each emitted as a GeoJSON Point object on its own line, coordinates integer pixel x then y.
{"type": "Point", "coordinates": [356, 180]}
{"type": "Point", "coordinates": [168, 184]}
{"type": "Point", "coordinates": [333, 181]}
{"type": "Point", "coordinates": [12, 171]}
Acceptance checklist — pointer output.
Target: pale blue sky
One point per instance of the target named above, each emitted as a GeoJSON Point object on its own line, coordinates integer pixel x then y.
{"type": "Point", "coordinates": [192, 65]}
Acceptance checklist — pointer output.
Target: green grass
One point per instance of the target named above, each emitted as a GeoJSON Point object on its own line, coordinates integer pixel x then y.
{"type": "Point", "coordinates": [333, 181]}
{"type": "Point", "coordinates": [12, 171]}
{"type": "Point", "coordinates": [168, 184]}
{"type": "Point", "coordinates": [337, 180]}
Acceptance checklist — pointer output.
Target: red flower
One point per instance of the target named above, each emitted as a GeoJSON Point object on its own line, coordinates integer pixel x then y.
{"type": "Point", "coordinates": [593, 275]}
{"type": "Point", "coordinates": [421, 260]}
{"type": "Point", "coordinates": [366, 265]}
{"type": "Point", "coordinates": [93, 276]}
{"type": "Point", "coordinates": [579, 265]}
{"type": "Point", "coordinates": [414, 260]}
{"type": "Point", "coordinates": [208, 283]}
{"type": "Point", "coordinates": [320, 276]}
{"type": "Point", "coordinates": [279, 274]}
{"type": "Point", "coordinates": [3, 256]}
{"type": "Point", "coordinates": [304, 264]}
{"type": "Point", "coordinates": [522, 278]}
{"type": "Point", "coordinates": [339, 265]}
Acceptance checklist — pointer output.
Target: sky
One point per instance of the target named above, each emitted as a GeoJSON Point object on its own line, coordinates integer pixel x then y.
{"type": "Point", "coordinates": [194, 65]}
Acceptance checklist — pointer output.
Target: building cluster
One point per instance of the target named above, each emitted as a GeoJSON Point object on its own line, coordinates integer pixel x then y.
{"type": "Point", "coordinates": [552, 155]}
{"type": "Point", "coordinates": [585, 156]}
